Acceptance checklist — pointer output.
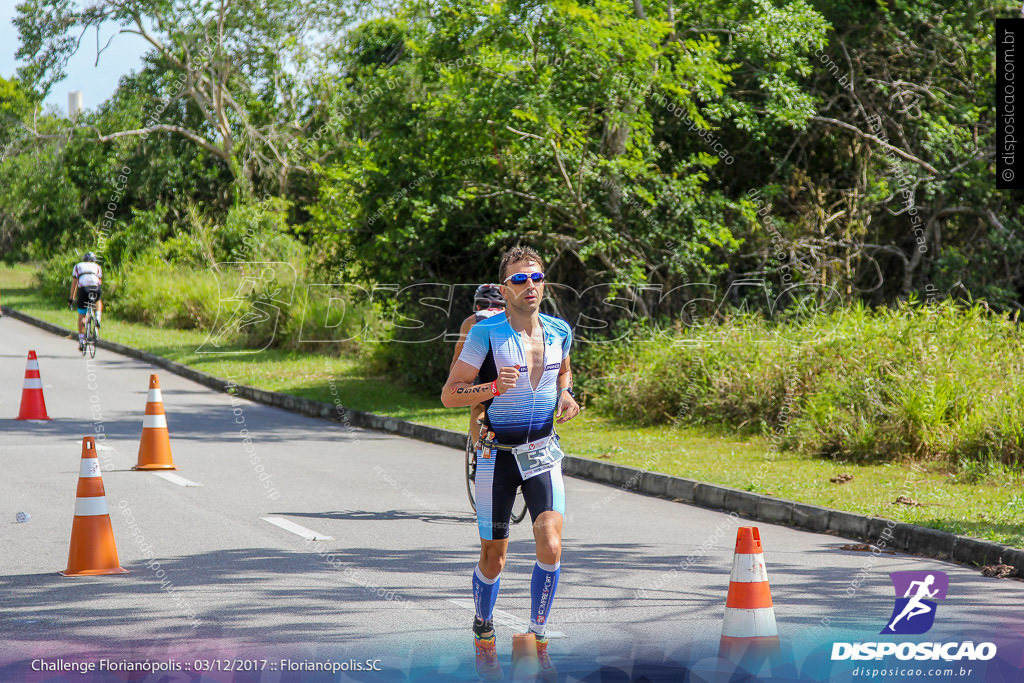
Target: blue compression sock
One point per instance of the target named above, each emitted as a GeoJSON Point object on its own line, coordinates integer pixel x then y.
{"type": "Point", "coordinates": [485, 594]}
{"type": "Point", "coordinates": [542, 594]}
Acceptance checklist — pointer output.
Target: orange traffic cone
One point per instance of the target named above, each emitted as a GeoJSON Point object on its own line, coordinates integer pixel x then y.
{"type": "Point", "coordinates": [33, 407]}
{"type": "Point", "coordinates": [749, 625]}
{"type": "Point", "coordinates": [155, 446]}
{"type": "Point", "coordinates": [93, 550]}
{"type": "Point", "coordinates": [525, 664]}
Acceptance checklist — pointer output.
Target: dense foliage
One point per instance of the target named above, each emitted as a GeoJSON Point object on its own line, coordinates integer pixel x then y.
{"type": "Point", "coordinates": [683, 159]}
{"type": "Point", "coordinates": [656, 144]}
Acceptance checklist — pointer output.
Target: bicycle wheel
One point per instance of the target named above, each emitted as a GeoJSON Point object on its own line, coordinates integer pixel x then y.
{"type": "Point", "coordinates": [90, 335]}
{"type": "Point", "coordinates": [471, 471]}
{"type": "Point", "coordinates": [519, 508]}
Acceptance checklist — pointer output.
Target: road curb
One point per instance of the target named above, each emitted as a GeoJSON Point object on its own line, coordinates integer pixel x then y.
{"type": "Point", "coordinates": [877, 531]}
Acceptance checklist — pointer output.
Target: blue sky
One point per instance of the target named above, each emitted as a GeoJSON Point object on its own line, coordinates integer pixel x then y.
{"type": "Point", "coordinates": [97, 83]}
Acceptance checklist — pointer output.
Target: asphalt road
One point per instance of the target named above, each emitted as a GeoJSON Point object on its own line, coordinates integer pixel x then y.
{"type": "Point", "coordinates": [210, 578]}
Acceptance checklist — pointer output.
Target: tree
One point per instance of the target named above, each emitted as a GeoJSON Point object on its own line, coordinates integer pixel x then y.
{"type": "Point", "coordinates": [241, 64]}
{"type": "Point", "coordinates": [567, 124]}
{"type": "Point", "coordinates": [889, 188]}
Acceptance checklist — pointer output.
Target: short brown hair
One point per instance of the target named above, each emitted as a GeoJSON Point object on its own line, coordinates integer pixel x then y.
{"type": "Point", "coordinates": [515, 255]}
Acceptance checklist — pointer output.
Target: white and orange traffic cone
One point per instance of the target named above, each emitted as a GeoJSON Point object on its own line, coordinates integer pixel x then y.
{"type": "Point", "coordinates": [33, 407]}
{"type": "Point", "coordinates": [93, 550]}
{"type": "Point", "coordinates": [749, 626]}
{"type": "Point", "coordinates": [155, 445]}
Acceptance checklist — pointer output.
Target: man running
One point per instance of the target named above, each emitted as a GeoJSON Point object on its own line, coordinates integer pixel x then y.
{"type": "Point", "coordinates": [522, 359]}
{"type": "Point", "coordinates": [86, 286]}
{"type": "Point", "coordinates": [488, 302]}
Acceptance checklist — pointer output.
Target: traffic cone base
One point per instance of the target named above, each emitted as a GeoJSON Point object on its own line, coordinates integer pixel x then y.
{"type": "Point", "coordinates": [155, 444]}
{"type": "Point", "coordinates": [92, 549]}
{"type": "Point", "coordinates": [84, 554]}
{"type": "Point", "coordinates": [749, 624]}
{"type": "Point", "coordinates": [756, 648]}
{"type": "Point", "coordinates": [33, 406]}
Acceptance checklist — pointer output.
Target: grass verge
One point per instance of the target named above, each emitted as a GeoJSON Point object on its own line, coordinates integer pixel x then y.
{"type": "Point", "coordinates": [993, 510]}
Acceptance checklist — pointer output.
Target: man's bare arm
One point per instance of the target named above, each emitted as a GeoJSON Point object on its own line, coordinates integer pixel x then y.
{"type": "Point", "coordinates": [568, 408]}
{"type": "Point", "coordinates": [564, 375]}
{"type": "Point", "coordinates": [459, 389]}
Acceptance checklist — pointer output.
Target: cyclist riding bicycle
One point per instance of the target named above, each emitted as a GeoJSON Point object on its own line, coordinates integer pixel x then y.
{"type": "Point", "coordinates": [488, 302]}
{"type": "Point", "coordinates": [86, 286]}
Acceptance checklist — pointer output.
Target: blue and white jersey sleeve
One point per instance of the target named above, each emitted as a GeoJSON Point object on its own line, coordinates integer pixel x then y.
{"type": "Point", "coordinates": [564, 328]}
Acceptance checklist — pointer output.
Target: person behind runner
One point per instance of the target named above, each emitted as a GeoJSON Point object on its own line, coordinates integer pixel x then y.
{"type": "Point", "coordinates": [488, 302]}
{"type": "Point", "coordinates": [522, 359]}
{"type": "Point", "coordinates": [86, 286]}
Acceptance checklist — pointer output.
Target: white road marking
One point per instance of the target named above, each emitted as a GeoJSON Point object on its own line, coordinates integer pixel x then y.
{"type": "Point", "coordinates": [175, 479]}
{"type": "Point", "coordinates": [504, 618]}
{"type": "Point", "coordinates": [307, 534]}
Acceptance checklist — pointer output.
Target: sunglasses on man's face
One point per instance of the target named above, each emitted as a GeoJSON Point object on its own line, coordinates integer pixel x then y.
{"type": "Point", "coordinates": [520, 278]}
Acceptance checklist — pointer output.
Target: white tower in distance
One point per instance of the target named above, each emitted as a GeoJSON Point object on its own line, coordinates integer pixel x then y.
{"type": "Point", "coordinates": [74, 104]}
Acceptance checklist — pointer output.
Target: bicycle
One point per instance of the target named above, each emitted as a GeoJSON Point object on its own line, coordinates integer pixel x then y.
{"type": "Point", "coordinates": [518, 508]}
{"type": "Point", "coordinates": [91, 330]}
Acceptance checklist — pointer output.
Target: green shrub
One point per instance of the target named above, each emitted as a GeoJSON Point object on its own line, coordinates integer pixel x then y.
{"type": "Point", "coordinates": [192, 245]}
{"type": "Point", "coordinates": [54, 276]}
{"type": "Point", "coordinates": [164, 295]}
{"type": "Point", "coordinates": [257, 232]}
{"type": "Point", "coordinates": [935, 383]}
{"type": "Point", "coordinates": [330, 320]}
{"type": "Point", "coordinates": [141, 235]}
{"type": "Point", "coordinates": [246, 308]}
{"type": "Point", "coordinates": [423, 365]}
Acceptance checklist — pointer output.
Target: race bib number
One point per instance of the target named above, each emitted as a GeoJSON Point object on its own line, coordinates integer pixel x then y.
{"type": "Point", "coordinates": [538, 460]}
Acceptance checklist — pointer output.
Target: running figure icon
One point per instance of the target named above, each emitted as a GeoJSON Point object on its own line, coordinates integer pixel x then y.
{"type": "Point", "coordinates": [916, 595]}
{"type": "Point", "coordinates": [915, 607]}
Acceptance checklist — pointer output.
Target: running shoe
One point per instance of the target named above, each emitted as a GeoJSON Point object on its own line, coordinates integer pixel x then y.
{"type": "Point", "coordinates": [548, 672]}
{"type": "Point", "coordinates": [488, 668]}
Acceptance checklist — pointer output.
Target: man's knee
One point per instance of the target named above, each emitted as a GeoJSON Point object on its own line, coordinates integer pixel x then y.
{"type": "Point", "coordinates": [548, 534]}
{"type": "Point", "coordinates": [492, 566]}
{"type": "Point", "coordinates": [549, 550]}
{"type": "Point", "coordinates": [492, 560]}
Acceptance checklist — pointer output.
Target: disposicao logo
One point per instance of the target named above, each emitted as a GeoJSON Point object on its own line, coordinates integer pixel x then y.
{"type": "Point", "coordinates": [914, 614]}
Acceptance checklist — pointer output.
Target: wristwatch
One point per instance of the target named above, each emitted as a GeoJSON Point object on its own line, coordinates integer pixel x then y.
{"type": "Point", "coordinates": [569, 389]}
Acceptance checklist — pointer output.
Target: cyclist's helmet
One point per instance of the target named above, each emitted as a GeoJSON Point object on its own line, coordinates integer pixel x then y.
{"type": "Point", "coordinates": [89, 256]}
{"type": "Point", "coordinates": [488, 294]}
